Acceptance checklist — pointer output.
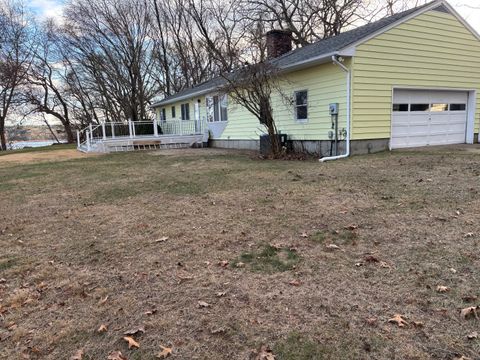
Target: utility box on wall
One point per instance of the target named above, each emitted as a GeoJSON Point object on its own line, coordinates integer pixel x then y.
{"type": "Point", "coordinates": [333, 109]}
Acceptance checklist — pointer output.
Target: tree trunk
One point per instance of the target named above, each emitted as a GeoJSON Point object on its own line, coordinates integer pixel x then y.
{"type": "Point", "coordinates": [68, 130]}
{"type": "Point", "coordinates": [3, 139]}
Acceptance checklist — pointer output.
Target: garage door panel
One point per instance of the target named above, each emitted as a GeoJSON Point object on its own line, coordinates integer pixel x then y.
{"type": "Point", "coordinates": [435, 126]}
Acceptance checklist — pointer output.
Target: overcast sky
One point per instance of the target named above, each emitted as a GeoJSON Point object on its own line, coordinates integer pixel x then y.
{"type": "Point", "coordinates": [469, 9]}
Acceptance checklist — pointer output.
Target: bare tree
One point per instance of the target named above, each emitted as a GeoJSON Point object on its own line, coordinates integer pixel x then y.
{"type": "Point", "coordinates": [110, 41]}
{"type": "Point", "coordinates": [308, 20]}
{"type": "Point", "coordinates": [253, 87]}
{"type": "Point", "coordinates": [16, 53]}
{"type": "Point", "coordinates": [46, 88]}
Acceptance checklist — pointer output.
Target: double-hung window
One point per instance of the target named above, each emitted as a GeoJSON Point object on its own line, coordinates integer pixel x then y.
{"type": "Point", "coordinates": [185, 109]}
{"type": "Point", "coordinates": [301, 106]}
{"type": "Point", "coordinates": [217, 108]}
{"type": "Point", "coordinates": [173, 112]}
{"type": "Point", "coordinates": [163, 115]}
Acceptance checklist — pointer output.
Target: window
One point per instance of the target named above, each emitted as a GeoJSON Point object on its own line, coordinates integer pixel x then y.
{"type": "Point", "coordinates": [163, 114]}
{"type": "Point", "coordinates": [216, 112]}
{"type": "Point", "coordinates": [400, 107]}
{"type": "Point", "coordinates": [301, 105]}
{"type": "Point", "coordinates": [419, 107]}
{"type": "Point", "coordinates": [217, 108]}
{"type": "Point", "coordinates": [224, 108]}
{"type": "Point", "coordinates": [173, 112]}
{"type": "Point", "coordinates": [185, 108]}
{"type": "Point", "coordinates": [439, 107]}
{"type": "Point", "coordinates": [458, 107]}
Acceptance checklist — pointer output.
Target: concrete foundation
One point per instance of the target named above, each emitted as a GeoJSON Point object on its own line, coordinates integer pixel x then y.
{"type": "Point", "coordinates": [320, 148]}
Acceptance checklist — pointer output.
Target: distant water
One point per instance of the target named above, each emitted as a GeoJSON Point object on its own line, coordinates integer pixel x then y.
{"type": "Point", "coordinates": [26, 144]}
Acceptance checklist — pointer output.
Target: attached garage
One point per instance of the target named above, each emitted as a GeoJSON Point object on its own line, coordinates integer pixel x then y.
{"type": "Point", "coordinates": [429, 117]}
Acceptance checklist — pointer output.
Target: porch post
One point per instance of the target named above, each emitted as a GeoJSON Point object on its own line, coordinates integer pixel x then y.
{"type": "Point", "coordinates": [91, 131]}
{"type": "Point", "coordinates": [113, 130]}
{"type": "Point", "coordinates": [103, 131]}
{"type": "Point", "coordinates": [78, 138]}
{"type": "Point", "coordinates": [88, 139]}
{"type": "Point", "coordinates": [155, 129]}
{"type": "Point", "coordinates": [130, 128]}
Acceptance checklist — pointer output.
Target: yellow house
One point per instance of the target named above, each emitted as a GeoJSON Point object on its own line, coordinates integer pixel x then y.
{"type": "Point", "coordinates": [412, 79]}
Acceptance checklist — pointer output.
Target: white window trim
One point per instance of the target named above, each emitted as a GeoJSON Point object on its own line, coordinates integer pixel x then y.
{"type": "Point", "coordinates": [295, 106]}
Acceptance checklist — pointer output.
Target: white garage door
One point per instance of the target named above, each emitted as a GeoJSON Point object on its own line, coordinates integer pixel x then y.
{"type": "Point", "coordinates": [422, 118]}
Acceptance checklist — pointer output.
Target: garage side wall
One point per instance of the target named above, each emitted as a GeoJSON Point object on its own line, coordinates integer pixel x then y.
{"type": "Point", "coordinates": [433, 50]}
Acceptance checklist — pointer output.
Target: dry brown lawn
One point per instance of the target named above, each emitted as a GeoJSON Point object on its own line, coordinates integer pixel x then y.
{"type": "Point", "coordinates": [215, 253]}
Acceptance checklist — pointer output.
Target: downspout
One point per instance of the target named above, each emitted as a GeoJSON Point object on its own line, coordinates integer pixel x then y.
{"type": "Point", "coordinates": [347, 153]}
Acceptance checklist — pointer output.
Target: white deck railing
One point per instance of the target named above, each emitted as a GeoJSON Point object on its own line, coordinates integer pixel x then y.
{"type": "Point", "coordinates": [95, 133]}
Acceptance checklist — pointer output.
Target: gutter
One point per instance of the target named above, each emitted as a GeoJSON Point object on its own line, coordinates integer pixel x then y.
{"type": "Point", "coordinates": [349, 92]}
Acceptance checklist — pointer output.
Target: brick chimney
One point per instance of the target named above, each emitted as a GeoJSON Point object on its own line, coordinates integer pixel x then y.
{"type": "Point", "coordinates": [279, 42]}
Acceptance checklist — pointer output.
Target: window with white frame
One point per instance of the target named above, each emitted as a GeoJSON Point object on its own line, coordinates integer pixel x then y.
{"type": "Point", "coordinates": [173, 112]}
{"type": "Point", "coordinates": [217, 108]}
{"type": "Point", "coordinates": [163, 115]}
{"type": "Point", "coordinates": [185, 110]}
{"type": "Point", "coordinates": [301, 105]}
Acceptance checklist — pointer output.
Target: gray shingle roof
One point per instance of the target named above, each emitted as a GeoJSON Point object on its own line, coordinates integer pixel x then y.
{"type": "Point", "coordinates": [309, 52]}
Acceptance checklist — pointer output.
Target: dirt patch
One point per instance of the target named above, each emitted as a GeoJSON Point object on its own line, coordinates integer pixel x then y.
{"type": "Point", "coordinates": [29, 157]}
{"type": "Point", "coordinates": [215, 256]}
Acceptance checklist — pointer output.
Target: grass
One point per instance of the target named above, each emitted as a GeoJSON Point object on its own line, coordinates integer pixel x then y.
{"type": "Point", "coordinates": [269, 259]}
{"type": "Point", "coordinates": [38, 149]}
{"type": "Point", "coordinates": [142, 240]}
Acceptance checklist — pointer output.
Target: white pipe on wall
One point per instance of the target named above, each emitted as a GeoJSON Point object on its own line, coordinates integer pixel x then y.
{"type": "Point", "coordinates": [349, 91]}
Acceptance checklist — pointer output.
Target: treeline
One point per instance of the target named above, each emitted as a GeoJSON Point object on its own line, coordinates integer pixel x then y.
{"type": "Point", "coordinates": [108, 59]}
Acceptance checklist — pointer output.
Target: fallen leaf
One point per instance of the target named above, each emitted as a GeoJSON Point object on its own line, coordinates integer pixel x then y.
{"type": "Point", "coordinates": [371, 259]}
{"type": "Point", "coordinates": [295, 283]}
{"type": "Point", "coordinates": [150, 312]}
{"type": "Point", "coordinates": [332, 247]}
{"type": "Point", "coordinates": [166, 352]}
{"type": "Point", "coordinates": [240, 265]}
{"type": "Point", "coordinates": [203, 304]}
{"type": "Point", "coordinates": [351, 227]}
{"type": "Point", "coordinates": [462, 358]}
{"type": "Point", "coordinates": [453, 271]}
{"type": "Point", "coordinates": [418, 324]}
{"type": "Point", "coordinates": [218, 331]}
{"type": "Point", "coordinates": [220, 294]}
{"type": "Point", "coordinates": [78, 355]}
{"type": "Point", "coordinates": [162, 239]}
{"type": "Point", "coordinates": [470, 312]}
{"type": "Point", "coordinates": [469, 235]}
{"type": "Point", "coordinates": [265, 354]}
{"type": "Point", "coordinates": [135, 331]}
{"type": "Point", "coordinates": [103, 328]}
{"type": "Point", "coordinates": [384, 265]}
{"type": "Point", "coordinates": [131, 342]}
{"type": "Point", "coordinates": [472, 336]}
{"type": "Point", "coordinates": [223, 263]}
{"type": "Point", "coordinates": [442, 289]}
{"type": "Point", "coordinates": [103, 301]}
{"type": "Point", "coordinates": [304, 235]}
{"type": "Point", "coordinates": [371, 321]}
{"type": "Point", "coordinates": [116, 355]}
{"type": "Point", "coordinates": [399, 320]}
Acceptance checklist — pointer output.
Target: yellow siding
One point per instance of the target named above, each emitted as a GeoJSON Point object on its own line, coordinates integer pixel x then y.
{"type": "Point", "coordinates": [433, 50]}
{"type": "Point", "coordinates": [178, 110]}
{"type": "Point", "coordinates": [325, 84]}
